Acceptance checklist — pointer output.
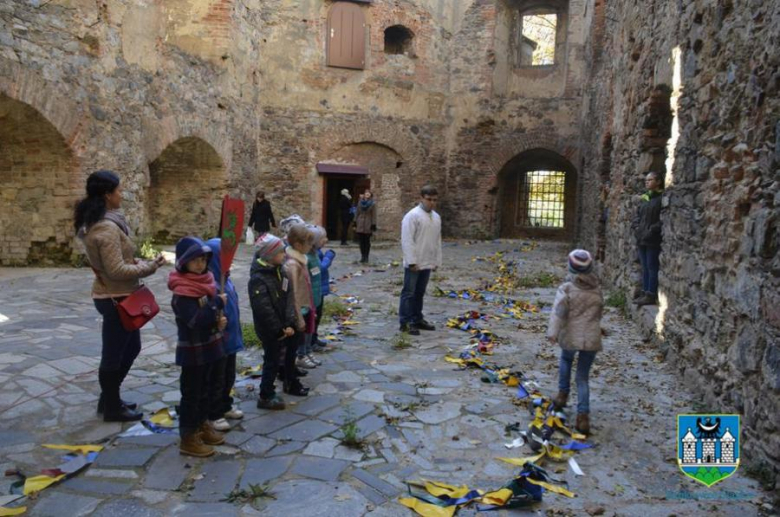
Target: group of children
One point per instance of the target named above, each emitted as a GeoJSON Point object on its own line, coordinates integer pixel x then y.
{"type": "Point", "coordinates": [288, 281]}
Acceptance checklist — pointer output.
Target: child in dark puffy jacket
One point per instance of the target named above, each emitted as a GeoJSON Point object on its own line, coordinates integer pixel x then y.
{"type": "Point", "coordinates": [274, 314]}
{"type": "Point", "coordinates": [199, 350]}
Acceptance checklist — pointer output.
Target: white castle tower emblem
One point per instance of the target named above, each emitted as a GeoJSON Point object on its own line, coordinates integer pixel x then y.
{"type": "Point", "coordinates": [708, 447]}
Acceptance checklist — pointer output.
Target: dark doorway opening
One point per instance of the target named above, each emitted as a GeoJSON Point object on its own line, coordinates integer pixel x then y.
{"type": "Point", "coordinates": [332, 217]}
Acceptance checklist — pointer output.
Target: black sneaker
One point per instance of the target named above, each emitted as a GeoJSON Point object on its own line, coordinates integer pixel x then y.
{"type": "Point", "coordinates": [275, 403]}
{"type": "Point", "coordinates": [411, 330]}
{"type": "Point", "coordinates": [424, 325]}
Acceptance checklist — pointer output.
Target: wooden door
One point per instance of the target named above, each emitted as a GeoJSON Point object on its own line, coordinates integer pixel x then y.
{"type": "Point", "coordinates": [346, 38]}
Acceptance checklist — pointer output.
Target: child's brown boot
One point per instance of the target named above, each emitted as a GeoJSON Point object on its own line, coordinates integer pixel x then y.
{"type": "Point", "coordinates": [583, 424]}
{"type": "Point", "coordinates": [192, 445]}
{"type": "Point", "coordinates": [560, 399]}
{"type": "Point", "coordinates": [210, 436]}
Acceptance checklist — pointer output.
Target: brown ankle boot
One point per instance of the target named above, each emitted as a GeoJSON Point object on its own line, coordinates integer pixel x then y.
{"type": "Point", "coordinates": [560, 400]}
{"type": "Point", "coordinates": [192, 445]}
{"type": "Point", "coordinates": [583, 423]}
{"type": "Point", "coordinates": [209, 435]}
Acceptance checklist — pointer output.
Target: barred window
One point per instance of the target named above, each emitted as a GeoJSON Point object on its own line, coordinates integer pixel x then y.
{"type": "Point", "coordinates": [542, 200]}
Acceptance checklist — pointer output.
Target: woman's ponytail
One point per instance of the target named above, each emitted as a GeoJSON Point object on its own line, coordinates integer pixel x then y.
{"type": "Point", "coordinates": [92, 208]}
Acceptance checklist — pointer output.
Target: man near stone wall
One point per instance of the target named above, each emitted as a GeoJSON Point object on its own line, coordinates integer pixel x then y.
{"type": "Point", "coordinates": [647, 229]}
{"type": "Point", "coordinates": [421, 244]}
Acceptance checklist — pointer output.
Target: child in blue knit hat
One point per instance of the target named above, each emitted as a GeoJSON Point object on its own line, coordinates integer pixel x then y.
{"type": "Point", "coordinates": [199, 350]}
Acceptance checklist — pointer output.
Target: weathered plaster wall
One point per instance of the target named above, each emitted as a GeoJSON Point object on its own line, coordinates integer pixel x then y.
{"type": "Point", "coordinates": [716, 65]}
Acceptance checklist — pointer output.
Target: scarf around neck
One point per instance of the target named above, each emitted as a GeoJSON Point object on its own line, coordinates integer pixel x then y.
{"type": "Point", "coordinates": [192, 285]}
{"type": "Point", "coordinates": [118, 218]}
{"type": "Point", "coordinates": [365, 204]}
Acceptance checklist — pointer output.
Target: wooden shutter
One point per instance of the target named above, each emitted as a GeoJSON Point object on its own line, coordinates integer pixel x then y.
{"type": "Point", "coordinates": [346, 36]}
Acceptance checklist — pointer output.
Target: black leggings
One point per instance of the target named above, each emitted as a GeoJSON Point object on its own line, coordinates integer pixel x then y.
{"type": "Point", "coordinates": [201, 395]}
{"type": "Point", "coordinates": [365, 245]}
{"type": "Point", "coordinates": [120, 347]}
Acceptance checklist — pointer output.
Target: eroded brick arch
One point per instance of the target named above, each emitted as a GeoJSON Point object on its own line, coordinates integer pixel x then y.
{"type": "Point", "coordinates": [517, 144]}
{"type": "Point", "coordinates": [391, 136]}
{"type": "Point", "coordinates": [186, 184]}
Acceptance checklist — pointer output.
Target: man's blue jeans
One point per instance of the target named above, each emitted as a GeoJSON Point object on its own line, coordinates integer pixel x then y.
{"type": "Point", "coordinates": [583, 371]}
{"type": "Point", "coordinates": [650, 260]}
{"type": "Point", "coordinates": [415, 283]}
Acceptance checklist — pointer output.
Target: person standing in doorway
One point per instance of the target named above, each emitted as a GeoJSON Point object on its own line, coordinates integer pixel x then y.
{"type": "Point", "coordinates": [647, 230]}
{"type": "Point", "coordinates": [262, 218]}
{"type": "Point", "coordinates": [365, 224]}
{"type": "Point", "coordinates": [421, 243]}
{"type": "Point", "coordinates": [103, 229]}
{"type": "Point", "coordinates": [345, 212]}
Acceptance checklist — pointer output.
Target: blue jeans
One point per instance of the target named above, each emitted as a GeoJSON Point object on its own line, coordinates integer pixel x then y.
{"type": "Point", "coordinates": [650, 260]}
{"type": "Point", "coordinates": [583, 371]}
{"type": "Point", "coordinates": [415, 283]}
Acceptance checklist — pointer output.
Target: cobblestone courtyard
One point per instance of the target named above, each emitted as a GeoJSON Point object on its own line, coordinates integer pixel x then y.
{"type": "Point", "coordinates": [421, 417]}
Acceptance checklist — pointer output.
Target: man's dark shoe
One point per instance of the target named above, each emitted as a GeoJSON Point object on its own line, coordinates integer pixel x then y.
{"type": "Point", "coordinates": [647, 299]}
{"type": "Point", "coordinates": [424, 325]}
{"type": "Point", "coordinates": [411, 330]}
{"type": "Point", "coordinates": [275, 403]}
{"type": "Point", "coordinates": [296, 388]}
{"type": "Point", "coordinates": [301, 373]}
{"type": "Point", "coordinates": [122, 415]}
{"type": "Point", "coordinates": [101, 406]}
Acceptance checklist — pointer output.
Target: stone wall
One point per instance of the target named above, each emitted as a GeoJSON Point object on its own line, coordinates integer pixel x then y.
{"type": "Point", "coordinates": [685, 88]}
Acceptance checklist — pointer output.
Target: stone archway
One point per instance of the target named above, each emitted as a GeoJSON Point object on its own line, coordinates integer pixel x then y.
{"type": "Point", "coordinates": [186, 185]}
{"type": "Point", "coordinates": [385, 170]}
{"type": "Point", "coordinates": [38, 187]}
{"type": "Point", "coordinates": [537, 192]}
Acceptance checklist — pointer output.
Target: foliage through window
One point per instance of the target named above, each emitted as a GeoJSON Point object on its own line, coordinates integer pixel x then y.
{"type": "Point", "coordinates": [544, 193]}
{"type": "Point", "coordinates": [539, 32]}
{"type": "Point", "coordinates": [398, 40]}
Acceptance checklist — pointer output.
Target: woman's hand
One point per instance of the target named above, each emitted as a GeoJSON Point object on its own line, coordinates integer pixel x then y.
{"type": "Point", "coordinates": [288, 331]}
{"type": "Point", "coordinates": [224, 298]}
{"type": "Point", "coordinates": [160, 261]}
{"type": "Point", "coordinates": [222, 323]}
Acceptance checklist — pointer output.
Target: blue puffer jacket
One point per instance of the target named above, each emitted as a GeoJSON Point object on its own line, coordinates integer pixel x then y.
{"type": "Point", "coordinates": [234, 341]}
{"type": "Point", "coordinates": [326, 259]}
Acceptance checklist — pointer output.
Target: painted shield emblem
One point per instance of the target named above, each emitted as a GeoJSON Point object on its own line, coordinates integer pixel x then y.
{"type": "Point", "coordinates": [708, 446]}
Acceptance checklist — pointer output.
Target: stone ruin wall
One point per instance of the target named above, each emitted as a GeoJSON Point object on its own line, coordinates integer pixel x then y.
{"type": "Point", "coordinates": [719, 315]}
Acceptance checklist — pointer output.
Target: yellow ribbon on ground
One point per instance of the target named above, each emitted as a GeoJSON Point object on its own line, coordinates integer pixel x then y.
{"type": "Point", "coordinates": [12, 511]}
{"type": "Point", "coordinates": [552, 488]}
{"type": "Point", "coordinates": [497, 497]}
{"type": "Point", "coordinates": [84, 449]}
{"type": "Point", "coordinates": [38, 483]}
{"type": "Point", "coordinates": [438, 489]}
{"type": "Point", "coordinates": [522, 461]}
{"type": "Point", "coordinates": [163, 418]}
{"type": "Point", "coordinates": [350, 322]}
{"type": "Point", "coordinates": [427, 509]}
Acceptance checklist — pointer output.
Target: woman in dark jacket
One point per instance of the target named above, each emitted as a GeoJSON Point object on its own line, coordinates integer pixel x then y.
{"type": "Point", "coordinates": [365, 224]}
{"type": "Point", "coordinates": [262, 218]}
{"type": "Point", "coordinates": [647, 230]}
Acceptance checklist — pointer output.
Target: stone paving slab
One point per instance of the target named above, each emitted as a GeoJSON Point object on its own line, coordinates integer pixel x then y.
{"type": "Point", "coordinates": [97, 486]}
{"type": "Point", "coordinates": [206, 510]}
{"type": "Point", "coordinates": [305, 431]}
{"type": "Point", "coordinates": [261, 471]}
{"type": "Point", "coordinates": [323, 469]}
{"type": "Point", "coordinates": [267, 424]}
{"type": "Point", "coordinates": [168, 470]}
{"type": "Point", "coordinates": [219, 479]}
{"type": "Point", "coordinates": [353, 410]}
{"type": "Point", "coordinates": [258, 445]}
{"type": "Point", "coordinates": [316, 499]}
{"type": "Point", "coordinates": [314, 405]}
{"type": "Point", "coordinates": [59, 504]}
{"type": "Point", "coordinates": [125, 457]}
{"type": "Point", "coordinates": [126, 508]}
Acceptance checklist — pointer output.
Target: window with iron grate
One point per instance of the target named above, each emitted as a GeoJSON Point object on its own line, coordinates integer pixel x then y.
{"type": "Point", "coordinates": [542, 200]}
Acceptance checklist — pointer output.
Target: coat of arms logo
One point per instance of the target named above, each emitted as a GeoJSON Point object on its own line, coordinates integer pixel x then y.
{"type": "Point", "coordinates": [708, 446]}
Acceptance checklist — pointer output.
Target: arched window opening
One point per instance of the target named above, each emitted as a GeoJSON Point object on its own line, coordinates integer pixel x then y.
{"type": "Point", "coordinates": [398, 40]}
{"type": "Point", "coordinates": [539, 37]}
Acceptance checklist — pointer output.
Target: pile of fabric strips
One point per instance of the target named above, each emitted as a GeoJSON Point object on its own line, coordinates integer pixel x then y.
{"type": "Point", "coordinates": [434, 499]}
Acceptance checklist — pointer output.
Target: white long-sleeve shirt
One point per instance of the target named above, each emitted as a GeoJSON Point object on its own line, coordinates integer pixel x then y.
{"type": "Point", "coordinates": [421, 238]}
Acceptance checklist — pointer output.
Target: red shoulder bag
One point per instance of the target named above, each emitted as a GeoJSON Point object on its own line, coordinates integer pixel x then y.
{"type": "Point", "coordinates": [137, 309]}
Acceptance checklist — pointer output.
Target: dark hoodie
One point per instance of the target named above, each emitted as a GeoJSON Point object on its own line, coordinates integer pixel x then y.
{"type": "Point", "coordinates": [272, 300]}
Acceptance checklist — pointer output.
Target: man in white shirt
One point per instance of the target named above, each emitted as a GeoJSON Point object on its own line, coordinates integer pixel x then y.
{"type": "Point", "coordinates": [421, 244]}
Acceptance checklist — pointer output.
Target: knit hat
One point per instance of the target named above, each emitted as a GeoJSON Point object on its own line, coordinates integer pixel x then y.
{"type": "Point", "coordinates": [288, 222]}
{"type": "Point", "coordinates": [190, 248]}
{"type": "Point", "coordinates": [318, 232]}
{"type": "Point", "coordinates": [580, 262]}
{"type": "Point", "coordinates": [268, 245]}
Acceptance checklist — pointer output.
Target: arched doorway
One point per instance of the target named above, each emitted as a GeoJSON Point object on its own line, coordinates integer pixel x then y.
{"type": "Point", "coordinates": [38, 188]}
{"type": "Point", "coordinates": [367, 165]}
{"type": "Point", "coordinates": [187, 183]}
{"type": "Point", "coordinates": [537, 196]}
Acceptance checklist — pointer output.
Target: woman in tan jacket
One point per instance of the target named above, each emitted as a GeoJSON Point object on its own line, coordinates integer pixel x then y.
{"type": "Point", "coordinates": [575, 324]}
{"type": "Point", "coordinates": [117, 272]}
